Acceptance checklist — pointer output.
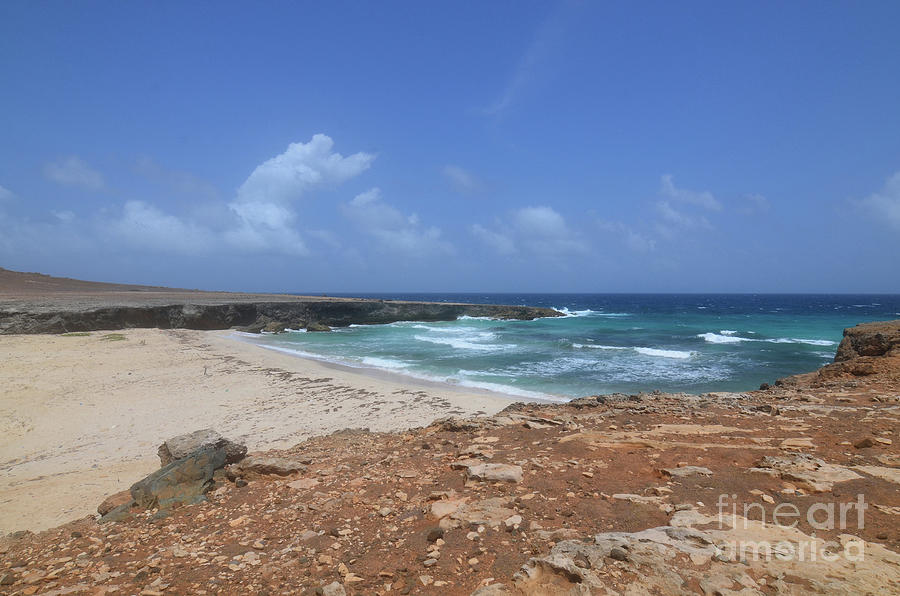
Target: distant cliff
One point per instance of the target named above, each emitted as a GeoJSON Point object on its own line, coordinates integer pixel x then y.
{"type": "Point", "coordinates": [252, 316]}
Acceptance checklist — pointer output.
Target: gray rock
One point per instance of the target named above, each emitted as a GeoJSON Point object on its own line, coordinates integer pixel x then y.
{"type": "Point", "coordinates": [207, 438]}
{"type": "Point", "coordinates": [334, 589]}
{"type": "Point", "coordinates": [686, 471]}
{"type": "Point", "coordinates": [184, 481]}
{"type": "Point", "coordinates": [265, 466]}
{"type": "Point", "coordinates": [495, 473]}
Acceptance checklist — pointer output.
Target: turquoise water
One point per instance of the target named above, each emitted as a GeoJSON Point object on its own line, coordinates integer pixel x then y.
{"type": "Point", "coordinates": [606, 343]}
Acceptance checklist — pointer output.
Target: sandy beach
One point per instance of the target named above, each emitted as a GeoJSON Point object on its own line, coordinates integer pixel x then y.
{"type": "Point", "coordinates": [81, 416]}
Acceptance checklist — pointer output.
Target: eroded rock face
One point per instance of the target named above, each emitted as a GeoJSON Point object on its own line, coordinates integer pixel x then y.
{"type": "Point", "coordinates": [869, 339]}
{"type": "Point", "coordinates": [184, 445]}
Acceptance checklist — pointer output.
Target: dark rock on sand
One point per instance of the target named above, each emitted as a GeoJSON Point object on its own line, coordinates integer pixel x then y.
{"type": "Point", "coordinates": [184, 481]}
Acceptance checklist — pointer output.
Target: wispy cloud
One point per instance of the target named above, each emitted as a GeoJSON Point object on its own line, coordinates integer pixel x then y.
{"type": "Point", "coordinates": [392, 229]}
{"type": "Point", "coordinates": [6, 194]}
{"type": "Point", "coordinates": [74, 172]}
{"type": "Point", "coordinates": [531, 63]}
{"type": "Point", "coordinates": [703, 198]}
{"type": "Point", "coordinates": [462, 180]}
{"type": "Point", "coordinates": [183, 183]}
{"type": "Point", "coordinates": [884, 205]}
{"type": "Point", "coordinates": [540, 231]}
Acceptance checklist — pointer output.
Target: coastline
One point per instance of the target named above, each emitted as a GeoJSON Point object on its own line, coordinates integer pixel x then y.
{"type": "Point", "coordinates": [83, 415]}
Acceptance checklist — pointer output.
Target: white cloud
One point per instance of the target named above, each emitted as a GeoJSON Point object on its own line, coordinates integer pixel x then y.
{"type": "Point", "coordinates": [145, 227]}
{"type": "Point", "coordinates": [538, 230]}
{"type": "Point", "coordinates": [462, 180]}
{"type": "Point", "coordinates": [6, 194]}
{"type": "Point", "coordinates": [501, 243]}
{"type": "Point", "coordinates": [391, 229]}
{"type": "Point", "coordinates": [632, 239]}
{"type": "Point", "coordinates": [675, 221]}
{"type": "Point", "coordinates": [73, 171]}
{"type": "Point", "coordinates": [302, 167]}
{"type": "Point", "coordinates": [885, 204]}
{"type": "Point", "coordinates": [703, 199]}
{"type": "Point", "coordinates": [754, 203]}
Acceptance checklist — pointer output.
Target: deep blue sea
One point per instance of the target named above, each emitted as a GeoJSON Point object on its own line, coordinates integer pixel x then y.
{"type": "Point", "coordinates": [608, 342]}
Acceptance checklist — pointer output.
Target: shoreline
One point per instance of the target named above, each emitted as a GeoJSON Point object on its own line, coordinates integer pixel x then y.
{"type": "Point", "coordinates": [82, 416]}
{"type": "Point", "coordinates": [404, 377]}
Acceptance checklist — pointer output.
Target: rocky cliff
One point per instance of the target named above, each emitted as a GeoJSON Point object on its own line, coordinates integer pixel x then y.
{"type": "Point", "coordinates": [34, 303]}
{"type": "Point", "coordinates": [252, 315]}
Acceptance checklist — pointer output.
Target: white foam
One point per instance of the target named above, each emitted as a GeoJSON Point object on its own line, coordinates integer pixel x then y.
{"type": "Point", "coordinates": [715, 338]}
{"type": "Point", "coordinates": [796, 340]}
{"type": "Point", "coordinates": [468, 318]}
{"type": "Point", "coordinates": [599, 347]}
{"type": "Point", "coordinates": [729, 338]}
{"type": "Point", "coordinates": [384, 363]}
{"type": "Point", "coordinates": [576, 313]}
{"type": "Point", "coordinates": [462, 344]}
{"type": "Point", "coordinates": [664, 353]}
{"type": "Point", "coordinates": [727, 332]}
{"type": "Point", "coordinates": [296, 330]}
{"type": "Point", "coordinates": [498, 388]}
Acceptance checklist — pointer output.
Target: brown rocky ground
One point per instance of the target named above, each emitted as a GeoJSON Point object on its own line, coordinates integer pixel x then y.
{"type": "Point", "coordinates": [604, 495]}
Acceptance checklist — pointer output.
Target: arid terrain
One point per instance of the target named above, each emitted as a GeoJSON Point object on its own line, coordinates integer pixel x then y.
{"type": "Point", "coordinates": [788, 490]}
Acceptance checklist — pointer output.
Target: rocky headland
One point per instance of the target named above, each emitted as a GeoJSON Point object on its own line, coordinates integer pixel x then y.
{"type": "Point", "coordinates": [792, 489]}
{"type": "Point", "coordinates": [34, 303]}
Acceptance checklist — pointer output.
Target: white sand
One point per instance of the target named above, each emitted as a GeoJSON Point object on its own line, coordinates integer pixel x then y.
{"type": "Point", "coordinates": [81, 417]}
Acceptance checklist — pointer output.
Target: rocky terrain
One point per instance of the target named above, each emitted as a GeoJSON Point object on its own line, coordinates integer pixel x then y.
{"type": "Point", "coordinates": [35, 303]}
{"type": "Point", "coordinates": [788, 490]}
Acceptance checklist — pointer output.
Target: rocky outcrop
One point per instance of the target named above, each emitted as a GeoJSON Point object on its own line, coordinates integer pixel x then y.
{"type": "Point", "coordinates": [881, 338]}
{"type": "Point", "coordinates": [868, 349]}
{"type": "Point", "coordinates": [251, 316]}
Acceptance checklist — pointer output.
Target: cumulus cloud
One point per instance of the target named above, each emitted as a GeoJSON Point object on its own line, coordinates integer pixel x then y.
{"type": "Point", "coordinates": [538, 230]}
{"type": "Point", "coordinates": [885, 204]}
{"type": "Point", "coordinates": [392, 229]}
{"type": "Point", "coordinates": [302, 167]}
{"type": "Point", "coordinates": [74, 172]}
{"type": "Point", "coordinates": [462, 180]}
{"type": "Point", "coordinates": [703, 199]}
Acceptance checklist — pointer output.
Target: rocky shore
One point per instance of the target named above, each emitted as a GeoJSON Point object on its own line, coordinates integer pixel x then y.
{"type": "Point", "coordinates": [33, 303]}
{"type": "Point", "coordinates": [788, 490]}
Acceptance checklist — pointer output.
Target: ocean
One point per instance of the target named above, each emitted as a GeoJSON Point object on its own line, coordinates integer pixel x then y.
{"type": "Point", "coordinates": [607, 343]}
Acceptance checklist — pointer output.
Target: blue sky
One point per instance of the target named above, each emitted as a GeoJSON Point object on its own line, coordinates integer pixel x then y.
{"type": "Point", "coordinates": [498, 146]}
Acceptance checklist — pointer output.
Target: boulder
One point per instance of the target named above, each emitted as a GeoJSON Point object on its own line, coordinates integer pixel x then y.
{"type": "Point", "coordinates": [314, 326]}
{"type": "Point", "coordinates": [274, 327]}
{"type": "Point", "coordinates": [495, 473]}
{"type": "Point", "coordinates": [487, 512]}
{"type": "Point", "coordinates": [184, 481]}
{"type": "Point", "coordinates": [207, 438]}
